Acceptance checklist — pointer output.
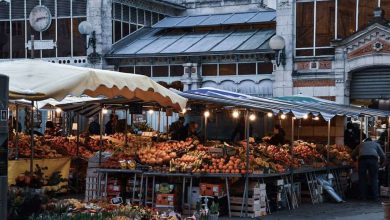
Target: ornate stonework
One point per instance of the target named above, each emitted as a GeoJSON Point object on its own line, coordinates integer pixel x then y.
{"type": "Point", "coordinates": [375, 39]}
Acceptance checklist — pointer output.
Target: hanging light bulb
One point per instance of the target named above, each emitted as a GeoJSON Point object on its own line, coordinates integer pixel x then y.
{"type": "Point", "coordinates": [58, 110]}
{"type": "Point", "coordinates": [236, 114]}
{"type": "Point", "coordinates": [316, 118]}
{"type": "Point", "coordinates": [294, 118]}
{"type": "Point", "coordinates": [104, 111]}
{"type": "Point", "coordinates": [283, 116]}
{"type": "Point", "coordinates": [252, 117]}
{"type": "Point", "coordinates": [184, 111]}
{"type": "Point", "coordinates": [206, 114]}
{"type": "Point", "coordinates": [306, 116]}
{"type": "Point", "coordinates": [270, 114]}
{"type": "Point", "coordinates": [151, 111]}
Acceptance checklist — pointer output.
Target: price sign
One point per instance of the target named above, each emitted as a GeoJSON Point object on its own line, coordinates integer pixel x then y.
{"type": "Point", "coordinates": [117, 200]}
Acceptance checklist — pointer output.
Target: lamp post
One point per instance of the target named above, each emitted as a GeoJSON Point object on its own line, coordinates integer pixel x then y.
{"type": "Point", "coordinates": [278, 44]}
{"type": "Point", "coordinates": [85, 28]}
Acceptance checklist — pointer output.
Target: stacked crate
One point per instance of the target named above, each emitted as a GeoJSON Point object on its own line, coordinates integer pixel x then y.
{"type": "Point", "coordinates": [257, 203]}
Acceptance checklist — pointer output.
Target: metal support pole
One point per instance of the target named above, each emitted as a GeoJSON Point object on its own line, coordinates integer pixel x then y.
{"type": "Point", "coordinates": [205, 129]}
{"type": "Point", "coordinates": [167, 124]}
{"type": "Point", "coordinates": [247, 161]}
{"type": "Point", "coordinates": [292, 159]}
{"type": "Point", "coordinates": [327, 149]}
{"type": "Point", "coordinates": [17, 133]}
{"type": "Point", "coordinates": [78, 134]}
{"type": "Point", "coordinates": [101, 137]}
{"type": "Point", "coordinates": [159, 120]}
{"type": "Point", "coordinates": [361, 129]}
{"type": "Point", "coordinates": [4, 83]}
{"type": "Point", "coordinates": [32, 139]}
{"type": "Point", "coordinates": [388, 135]}
{"type": "Point", "coordinates": [127, 118]}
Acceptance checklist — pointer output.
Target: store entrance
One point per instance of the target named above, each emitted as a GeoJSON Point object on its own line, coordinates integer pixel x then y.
{"type": "Point", "coordinates": [370, 88]}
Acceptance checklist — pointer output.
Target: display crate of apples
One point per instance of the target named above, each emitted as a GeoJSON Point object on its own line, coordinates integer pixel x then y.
{"type": "Point", "coordinates": [49, 147]}
{"type": "Point", "coordinates": [192, 157]}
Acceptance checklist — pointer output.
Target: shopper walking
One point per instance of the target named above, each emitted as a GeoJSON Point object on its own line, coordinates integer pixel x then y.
{"type": "Point", "coordinates": [368, 154]}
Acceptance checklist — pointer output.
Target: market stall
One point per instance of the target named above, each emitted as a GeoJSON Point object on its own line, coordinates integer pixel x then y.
{"type": "Point", "coordinates": [34, 80]}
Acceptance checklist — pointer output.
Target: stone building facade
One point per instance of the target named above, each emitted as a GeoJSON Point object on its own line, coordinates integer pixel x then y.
{"type": "Point", "coordinates": [334, 49]}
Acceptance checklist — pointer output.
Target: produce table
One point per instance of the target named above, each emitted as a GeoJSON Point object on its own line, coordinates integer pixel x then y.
{"type": "Point", "coordinates": [18, 167]}
{"type": "Point", "coordinates": [144, 176]}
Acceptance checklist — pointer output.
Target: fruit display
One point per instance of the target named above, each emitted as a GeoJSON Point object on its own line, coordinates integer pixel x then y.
{"type": "Point", "coordinates": [191, 162]}
{"type": "Point", "coordinates": [163, 152]}
{"type": "Point", "coordinates": [307, 152]}
{"type": "Point", "coordinates": [340, 154]}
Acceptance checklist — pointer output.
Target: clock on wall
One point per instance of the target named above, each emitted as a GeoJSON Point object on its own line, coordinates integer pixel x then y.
{"type": "Point", "coordinates": [40, 18]}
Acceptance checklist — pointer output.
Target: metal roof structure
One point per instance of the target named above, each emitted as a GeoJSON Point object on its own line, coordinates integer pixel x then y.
{"type": "Point", "coordinates": [285, 105]}
{"type": "Point", "coordinates": [161, 43]}
{"type": "Point", "coordinates": [217, 19]}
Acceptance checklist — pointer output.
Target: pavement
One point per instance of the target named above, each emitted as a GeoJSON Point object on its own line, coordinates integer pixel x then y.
{"type": "Point", "coordinates": [351, 210]}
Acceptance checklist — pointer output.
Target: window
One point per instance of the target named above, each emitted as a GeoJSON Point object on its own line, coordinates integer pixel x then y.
{"type": "Point", "coordinates": [125, 29]}
{"type": "Point", "coordinates": [126, 69]}
{"type": "Point", "coordinates": [4, 39]}
{"type": "Point", "coordinates": [176, 70]}
{"type": "Point", "coordinates": [227, 69]}
{"type": "Point", "coordinates": [305, 26]}
{"type": "Point", "coordinates": [366, 12]}
{"type": "Point", "coordinates": [209, 69]}
{"type": "Point", "coordinates": [140, 16]}
{"type": "Point", "coordinates": [265, 68]}
{"type": "Point", "coordinates": [160, 71]}
{"type": "Point", "coordinates": [64, 38]}
{"type": "Point", "coordinates": [63, 8]}
{"type": "Point", "coordinates": [117, 31]}
{"type": "Point", "coordinates": [385, 5]}
{"type": "Point", "coordinates": [133, 15]}
{"type": "Point", "coordinates": [143, 70]}
{"type": "Point", "coordinates": [50, 34]}
{"type": "Point", "coordinates": [79, 41]}
{"type": "Point", "coordinates": [18, 46]}
{"type": "Point", "coordinates": [315, 28]}
{"type": "Point", "coordinates": [246, 68]}
{"type": "Point", "coordinates": [346, 18]}
{"type": "Point", "coordinates": [325, 23]}
{"type": "Point", "coordinates": [79, 7]}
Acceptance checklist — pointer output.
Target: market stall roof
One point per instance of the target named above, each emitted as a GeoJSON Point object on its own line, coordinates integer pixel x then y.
{"type": "Point", "coordinates": [327, 110]}
{"type": "Point", "coordinates": [38, 80]}
{"type": "Point", "coordinates": [155, 42]}
{"type": "Point", "coordinates": [349, 110]}
{"type": "Point", "coordinates": [218, 19]}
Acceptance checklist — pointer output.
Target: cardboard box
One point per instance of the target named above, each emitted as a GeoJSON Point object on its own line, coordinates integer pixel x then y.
{"type": "Point", "coordinates": [165, 199]}
{"type": "Point", "coordinates": [207, 189]}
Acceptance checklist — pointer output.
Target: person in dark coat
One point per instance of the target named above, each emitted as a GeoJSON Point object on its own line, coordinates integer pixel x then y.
{"type": "Point", "coordinates": [94, 127]}
{"type": "Point", "coordinates": [278, 138]}
{"type": "Point", "coordinates": [239, 131]}
{"type": "Point", "coordinates": [368, 154]}
{"type": "Point", "coordinates": [190, 130]}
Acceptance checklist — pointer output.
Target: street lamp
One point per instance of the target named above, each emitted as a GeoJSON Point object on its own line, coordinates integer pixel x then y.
{"type": "Point", "coordinates": [278, 44]}
{"type": "Point", "coordinates": [85, 28]}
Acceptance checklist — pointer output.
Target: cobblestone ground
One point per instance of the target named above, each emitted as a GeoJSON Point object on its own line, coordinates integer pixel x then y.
{"type": "Point", "coordinates": [351, 210]}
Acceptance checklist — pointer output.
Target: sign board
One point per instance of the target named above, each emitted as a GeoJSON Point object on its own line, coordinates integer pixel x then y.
{"type": "Point", "coordinates": [117, 200]}
{"type": "Point", "coordinates": [135, 109]}
{"type": "Point", "coordinates": [42, 45]}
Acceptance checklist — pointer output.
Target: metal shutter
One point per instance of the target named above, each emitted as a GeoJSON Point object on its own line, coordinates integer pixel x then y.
{"type": "Point", "coordinates": [373, 83]}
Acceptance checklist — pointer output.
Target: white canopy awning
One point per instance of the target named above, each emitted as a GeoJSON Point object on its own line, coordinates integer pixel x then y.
{"type": "Point", "coordinates": [40, 80]}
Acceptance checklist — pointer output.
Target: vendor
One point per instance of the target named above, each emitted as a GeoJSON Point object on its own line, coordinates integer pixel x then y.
{"type": "Point", "coordinates": [239, 132]}
{"type": "Point", "coordinates": [50, 129]}
{"type": "Point", "coordinates": [368, 154]}
{"type": "Point", "coordinates": [188, 131]}
{"type": "Point", "coordinates": [175, 128]}
{"type": "Point", "coordinates": [110, 127]}
{"type": "Point", "coordinates": [278, 138]}
{"type": "Point", "coordinates": [94, 126]}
